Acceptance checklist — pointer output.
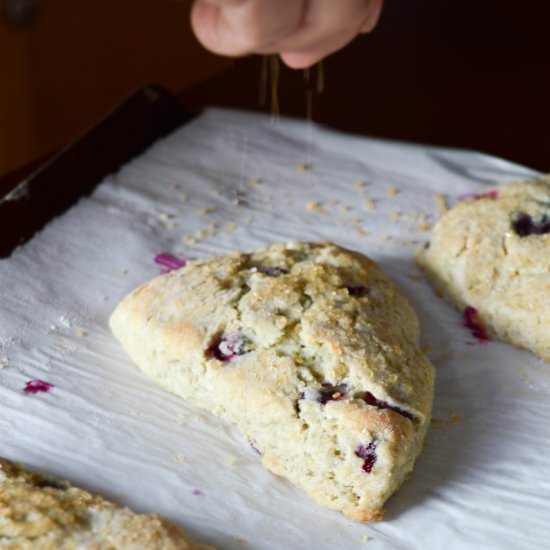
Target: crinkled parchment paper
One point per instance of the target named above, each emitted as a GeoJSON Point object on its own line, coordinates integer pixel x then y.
{"type": "Point", "coordinates": [232, 180]}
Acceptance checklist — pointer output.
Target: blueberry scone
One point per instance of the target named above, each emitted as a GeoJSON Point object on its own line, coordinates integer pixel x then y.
{"type": "Point", "coordinates": [490, 256]}
{"type": "Point", "coordinates": [38, 512]}
{"type": "Point", "coordinates": [309, 349]}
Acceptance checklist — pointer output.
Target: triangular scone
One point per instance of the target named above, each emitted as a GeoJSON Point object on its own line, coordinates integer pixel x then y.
{"type": "Point", "coordinates": [39, 512]}
{"type": "Point", "coordinates": [309, 349]}
{"type": "Point", "coordinates": [490, 256]}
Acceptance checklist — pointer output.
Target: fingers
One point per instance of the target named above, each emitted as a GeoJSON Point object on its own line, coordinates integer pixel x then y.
{"type": "Point", "coordinates": [239, 27]}
{"type": "Point", "coordinates": [314, 52]}
{"type": "Point", "coordinates": [302, 31]}
{"type": "Point", "coordinates": [328, 27]}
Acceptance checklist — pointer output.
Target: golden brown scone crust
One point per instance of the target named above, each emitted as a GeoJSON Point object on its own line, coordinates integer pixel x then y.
{"type": "Point", "coordinates": [38, 512]}
{"type": "Point", "coordinates": [267, 340]}
{"type": "Point", "coordinates": [476, 258]}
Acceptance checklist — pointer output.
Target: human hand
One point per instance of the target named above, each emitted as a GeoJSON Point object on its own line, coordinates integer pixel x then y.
{"type": "Point", "coordinates": [301, 31]}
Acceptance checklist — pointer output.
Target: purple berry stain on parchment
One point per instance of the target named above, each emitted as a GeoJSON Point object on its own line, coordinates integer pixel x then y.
{"type": "Point", "coordinates": [37, 386]}
{"type": "Point", "coordinates": [168, 262]}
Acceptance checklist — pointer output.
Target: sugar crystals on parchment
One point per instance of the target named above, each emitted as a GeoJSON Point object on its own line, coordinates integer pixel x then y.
{"type": "Point", "coordinates": [314, 206]}
{"type": "Point", "coordinates": [369, 202]}
{"type": "Point", "coordinates": [303, 167]}
{"type": "Point", "coordinates": [207, 210]}
{"type": "Point", "coordinates": [79, 332]}
{"type": "Point", "coordinates": [360, 184]}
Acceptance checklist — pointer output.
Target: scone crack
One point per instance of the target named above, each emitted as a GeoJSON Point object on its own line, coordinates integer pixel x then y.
{"type": "Point", "coordinates": [339, 392]}
{"type": "Point", "coordinates": [369, 398]}
{"type": "Point", "coordinates": [271, 271]}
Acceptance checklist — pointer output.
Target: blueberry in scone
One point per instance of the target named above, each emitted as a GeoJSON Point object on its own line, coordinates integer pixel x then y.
{"type": "Point", "coordinates": [490, 256]}
{"type": "Point", "coordinates": [39, 512]}
{"type": "Point", "coordinates": [309, 349]}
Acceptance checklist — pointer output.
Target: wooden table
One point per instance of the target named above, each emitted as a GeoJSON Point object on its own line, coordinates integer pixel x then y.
{"type": "Point", "coordinates": [463, 74]}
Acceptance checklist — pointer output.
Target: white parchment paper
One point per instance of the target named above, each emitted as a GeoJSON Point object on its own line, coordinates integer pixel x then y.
{"type": "Point", "coordinates": [483, 480]}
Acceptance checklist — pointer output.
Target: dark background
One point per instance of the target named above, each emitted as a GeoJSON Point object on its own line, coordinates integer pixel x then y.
{"type": "Point", "coordinates": [470, 74]}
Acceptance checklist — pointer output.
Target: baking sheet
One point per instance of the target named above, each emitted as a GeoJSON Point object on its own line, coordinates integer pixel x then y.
{"type": "Point", "coordinates": [232, 180]}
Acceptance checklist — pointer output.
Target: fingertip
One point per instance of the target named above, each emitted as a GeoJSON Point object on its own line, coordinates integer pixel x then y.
{"type": "Point", "coordinates": [300, 60]}
{"type": "Point", "coordinates": [213, 32]}
{"type": "Point", "coordinates": [203, 21]}
{"type": "Point", "coordinates": [373, 18]}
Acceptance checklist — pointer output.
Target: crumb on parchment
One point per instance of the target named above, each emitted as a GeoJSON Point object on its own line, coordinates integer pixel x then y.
{"type": "Point", "coordinates": [453, 418]}
{"type": "Point", "coordinates": [211, 230]}
{"type": "Point", "coordinates": [392, 191]}
{"type": "Point", "coordinates": [369, 203]}
{"type": "Point", "coordinates": [201, 234]}
{"type": "Point", "coordinates": [396, 215]}
{"type": "Point", "coordinates": [424, 226]}
{"type": "Point", "coordinates": [360, 230]}
{"type": "Point", "coordinates": [314, 206]}
{"type": "Point", "coordinates": [303, 166]}
{"type": "Point", "coordinates": [165, 216]}
{"type": "Point", "coordinates": [441, 203]}
{"type": "Point", "coordinates": [404, 242]}
{"type": "Point", "coordinates": [206, 210]}
{"type": "Point", "coordinates": [5, 346]}
{"type": "Point", "coordinates": [359, 184]}
{"type": "Point", "coordinates": [189, 240]}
